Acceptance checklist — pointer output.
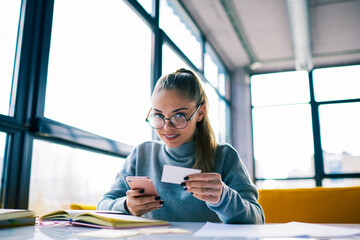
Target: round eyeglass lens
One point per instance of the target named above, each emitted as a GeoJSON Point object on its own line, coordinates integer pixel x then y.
{"type": "Point", "coordinates": [178, 121]}
{"type": "Point", "coordinates": [156, 121]}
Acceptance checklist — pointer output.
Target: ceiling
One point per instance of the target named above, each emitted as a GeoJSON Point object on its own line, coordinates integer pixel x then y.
{"type": "Point", "coordinates": [257, 34]}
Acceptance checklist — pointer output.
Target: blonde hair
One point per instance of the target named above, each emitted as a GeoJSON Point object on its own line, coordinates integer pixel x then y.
{"type": "Point", "coordinates": [186, 82]}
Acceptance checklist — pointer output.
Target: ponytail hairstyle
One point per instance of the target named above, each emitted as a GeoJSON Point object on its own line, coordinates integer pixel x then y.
{"type": "Point", "coordinates": [187, 84]}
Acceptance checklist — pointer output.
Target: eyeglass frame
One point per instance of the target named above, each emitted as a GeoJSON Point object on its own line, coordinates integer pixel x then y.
{"type": "Point", "coordinates": [163, 118]}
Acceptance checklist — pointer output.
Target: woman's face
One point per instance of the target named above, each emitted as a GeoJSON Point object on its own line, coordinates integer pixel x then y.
{"type": "Point", "coordinates": [170, 102]}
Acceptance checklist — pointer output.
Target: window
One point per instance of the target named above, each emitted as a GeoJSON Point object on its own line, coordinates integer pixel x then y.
{"type": "Point", "coordinates": [283, 134]}
{"type": "Point", "coordinates": [97, 63]}
{"type": "Point", "coordinates": [283, 142]}
{"type": "Point", "coordinates": [9, 21]}
{"type": "Point", "coordinates": [337, 83]}
{"type": "Point", "coordinates": [215, 74]}
{"type": "Point", "coordinates": [340, 137]}
{"type": "Point", "coordinates": [280, 88]}
{"type": "Point", "coordinates": [179, 27]}
{"type": "Point", "coordinates": [171, 61]}
{"type": "Point", "coordinates": [63, 175]}
{"type": "Point", "coordinates": [282, 129]}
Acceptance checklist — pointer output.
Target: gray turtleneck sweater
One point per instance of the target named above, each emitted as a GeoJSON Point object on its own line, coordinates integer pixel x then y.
{"type": "Point", "coordinates": [238, 203]}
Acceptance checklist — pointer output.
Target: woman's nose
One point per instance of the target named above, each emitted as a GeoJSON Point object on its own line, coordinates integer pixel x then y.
{"type": "Point", "coordinates": [168, 124]}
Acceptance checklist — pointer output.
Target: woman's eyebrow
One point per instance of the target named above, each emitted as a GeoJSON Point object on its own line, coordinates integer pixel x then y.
{"type": "Point", "coordinates": [179, 109]}
{"type": "Point", "coordinates": [176, 110]}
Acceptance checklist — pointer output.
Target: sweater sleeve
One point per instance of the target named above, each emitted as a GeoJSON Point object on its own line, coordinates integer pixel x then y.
{"type": "Point", "coordinates": [115, 199]}
{"type": "Point", "coordinates": [238, 203]}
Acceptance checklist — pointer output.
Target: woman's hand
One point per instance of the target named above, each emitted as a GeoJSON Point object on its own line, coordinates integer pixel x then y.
{"type": "Point", "coordinates": [138, 204]}
{"type": "Point", "coordinates": [204, 186]}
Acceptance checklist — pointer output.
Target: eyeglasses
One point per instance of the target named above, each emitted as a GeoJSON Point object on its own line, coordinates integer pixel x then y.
{"type": "Point", "coordinates": [178, 120]}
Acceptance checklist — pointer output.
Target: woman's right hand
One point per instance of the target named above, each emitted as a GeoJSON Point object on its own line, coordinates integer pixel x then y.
{"type": "Point", "coordinates": [138, 204]}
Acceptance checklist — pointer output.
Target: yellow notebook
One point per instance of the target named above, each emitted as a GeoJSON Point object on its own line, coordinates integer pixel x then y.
{"type": "Point", "coordinates": [16, 217]}
{"type": "Point", "coordinates": [102, 219]}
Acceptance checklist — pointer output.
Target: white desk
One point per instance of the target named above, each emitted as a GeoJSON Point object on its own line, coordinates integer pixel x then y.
{"type": "Point", "coordinates": [69, 232]}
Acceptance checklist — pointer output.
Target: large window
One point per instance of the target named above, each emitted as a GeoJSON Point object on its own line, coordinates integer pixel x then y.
{"type": "Point", "coordinates": [180, 28]}
{"type": "Point", "coordinates": [97, 63]}
{"type": "Point", "coordinates": [63, 175]}
{"type": "Point", "coordinates": [9, 21]}
{"type": "Point", "coordinates": [283, 119]}
{"type": "Point", "coordinates": [85, 70]}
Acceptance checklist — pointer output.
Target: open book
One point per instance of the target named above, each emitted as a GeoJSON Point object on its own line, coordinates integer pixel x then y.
{"type": "Point", "coordinates": [16, 217]}
{"type": "Point", "coordinates": [102, 219]}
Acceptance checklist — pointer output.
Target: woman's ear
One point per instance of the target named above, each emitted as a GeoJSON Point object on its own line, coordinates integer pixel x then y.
{"type": "Point", "coordinates": [201, 113]}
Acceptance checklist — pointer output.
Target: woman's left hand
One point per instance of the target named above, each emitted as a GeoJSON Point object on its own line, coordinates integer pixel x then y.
{"type": "Point", "coordinates": [204, 186]}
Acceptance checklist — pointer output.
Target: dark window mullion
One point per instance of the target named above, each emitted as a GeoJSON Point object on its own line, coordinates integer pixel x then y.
{"type": "Point", "coordinates": [318, 154]}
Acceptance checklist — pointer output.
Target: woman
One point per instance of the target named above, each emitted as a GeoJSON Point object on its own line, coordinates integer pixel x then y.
{"type": "Point", "coordinates": [223, 190]}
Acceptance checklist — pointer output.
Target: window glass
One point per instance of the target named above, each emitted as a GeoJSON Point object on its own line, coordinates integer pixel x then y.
{"type": "Point", "coordinates": [63, 175]}
{"type": "Point", "coordinates": [99, 69]}
{"type": "Point", "coordinates": [213, 109]}
{"type": "Point", "coordinates": [180, 28]}
{"type": "Point", "coordinates": [9, 21]}
{"type": "Point", "coordinates": [341, 182]}
{"type": "Point", "coordinates": [280, 88]}
{"type": "Point", "coordinates": [283, 141]}
{"type": "Point", "coordinates": [285, 184]}
{"type": "Point", "coordinates": [337, 83]}
{"type": "Point", "coordinates": [214, 70]}
{"type": "Point", "coordinates": [171, 61]}
{"type": "Point", "coordinates": [147, 5]}
{"type": "Point", "coordinates": [211, 71]}
{"type": "Point", "coordinates": [340, 137]}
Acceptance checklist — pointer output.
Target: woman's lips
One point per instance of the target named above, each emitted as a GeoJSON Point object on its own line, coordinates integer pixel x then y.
{"type": "Point", "coordinates": [170, 136]}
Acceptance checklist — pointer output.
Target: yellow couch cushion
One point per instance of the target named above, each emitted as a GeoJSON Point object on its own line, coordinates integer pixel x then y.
{"type": "Point", "coordinates": [77, 206]}
{"type": "Point", "coordinates": [312, 205]}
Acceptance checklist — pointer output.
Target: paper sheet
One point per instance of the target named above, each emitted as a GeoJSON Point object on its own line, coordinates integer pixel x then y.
{"type": "Point", "coordinates": [292, 229]}
{"type": "Point", "coordinates": [172, 174]}
{"type": "Point", "coordinates": [107, 233]}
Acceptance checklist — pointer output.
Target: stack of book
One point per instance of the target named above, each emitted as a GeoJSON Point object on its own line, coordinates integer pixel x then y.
{"type": "Point", "coordinates": [102, 219]}
{"type": "Point", "coordinates": [16, 217]}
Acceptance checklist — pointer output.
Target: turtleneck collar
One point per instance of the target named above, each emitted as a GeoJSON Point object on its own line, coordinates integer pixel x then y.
{"type": "Point", "coordinates": [183, 151]}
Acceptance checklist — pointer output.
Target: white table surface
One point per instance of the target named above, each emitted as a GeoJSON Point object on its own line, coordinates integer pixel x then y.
{"type": "Point", "coordinates": [70, 232]}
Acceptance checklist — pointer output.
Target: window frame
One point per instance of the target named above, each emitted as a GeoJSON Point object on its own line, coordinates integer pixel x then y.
{"type": "Point", "coordinates": [319, 174]}
{"type": "Point", "coordinates": [29, 84]}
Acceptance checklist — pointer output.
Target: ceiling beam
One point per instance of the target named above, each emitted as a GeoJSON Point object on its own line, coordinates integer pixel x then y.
{"type": "Point", "coordinates": [235, 21]}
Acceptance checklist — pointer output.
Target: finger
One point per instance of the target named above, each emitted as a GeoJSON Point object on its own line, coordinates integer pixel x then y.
{"type": "Point", "coordinates": [207, 198]}
{"type": "Point", "coordinates": [135, 192]}
{"type": "Point", "coordinates": [203, 177]}
{"type": "Point", "coordinates": [203, 184]}
{"type": "Point", "coordinates": [205, 191]}
{"type": "Point", "coordinates": [140, 209]}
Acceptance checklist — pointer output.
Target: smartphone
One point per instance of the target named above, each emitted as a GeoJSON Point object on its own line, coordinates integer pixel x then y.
{"type": "Point", "coordinates": [137, 182]}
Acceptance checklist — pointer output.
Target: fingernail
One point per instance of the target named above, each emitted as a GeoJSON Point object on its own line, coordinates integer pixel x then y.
{"type": "Point", "coordinates": [186, 178]}
{"type": "Point", "coordinates": [157, 198]}
{"type": "Point", "coordinates": [183, 184]}
{"type": "Point", "coordinates": [161, 202]}
{"type": "Point", "coordinates": [185, 188]}
{"type": "Point", "coordinates": [141, 191]}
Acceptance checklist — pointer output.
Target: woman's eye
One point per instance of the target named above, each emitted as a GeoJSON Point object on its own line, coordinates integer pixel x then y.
{"type": "Point", "coordinates": [179, 115]}
{"type": "Point", "coordinates": [158, 115]}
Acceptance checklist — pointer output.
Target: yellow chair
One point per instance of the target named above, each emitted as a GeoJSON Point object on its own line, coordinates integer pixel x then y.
{"type": "Point", "coordinates": [311, 205]}
{"type": "Point", "coordinates": [77, 206]}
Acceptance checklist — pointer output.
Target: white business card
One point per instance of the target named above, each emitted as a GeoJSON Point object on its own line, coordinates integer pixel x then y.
{"type": "Point", "coordinates": [172, 174]}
